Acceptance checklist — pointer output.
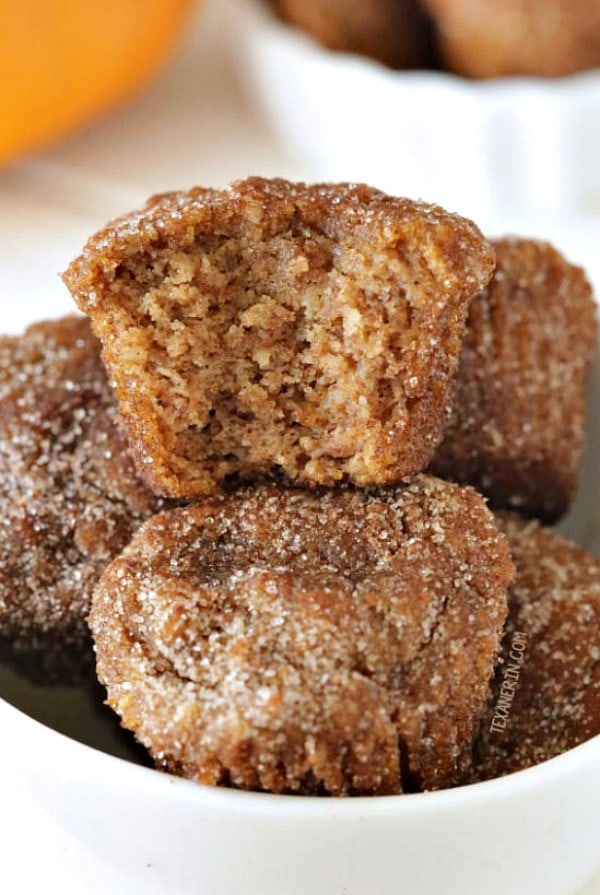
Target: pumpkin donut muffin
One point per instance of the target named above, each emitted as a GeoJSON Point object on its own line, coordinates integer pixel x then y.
{"type": "Point", "coordinates": [487, 38]}
{"type": "Point", "coordinates": [275, 327]}
{"type": "Point", "coordinates": [395, 32]}
{"type": "Point", "coordinates": [293, 641]}
{"type": "Point", "coordinates": [517, 429]}
{"type": "Point", "coordinates": [547, 690]}
{"type": "Point", "coordinates": [69, 496]}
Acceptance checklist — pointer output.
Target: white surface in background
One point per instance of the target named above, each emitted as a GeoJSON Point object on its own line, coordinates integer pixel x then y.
{"type": "Point", "coordinates": [192, 126]}
{"type": "Point", "coordinates": [472, 146]}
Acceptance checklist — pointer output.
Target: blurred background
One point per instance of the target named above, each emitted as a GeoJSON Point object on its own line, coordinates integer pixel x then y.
{"type": "Point", "coordinates": [490, 109]}
{"type": "Point", "coordinates": [177, 117]}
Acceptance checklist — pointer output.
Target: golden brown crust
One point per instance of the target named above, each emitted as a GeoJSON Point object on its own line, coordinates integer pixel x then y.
{"type": "Point", "coordinates": [487, 38]}
{"type": "Point", "coordinates": [554, 673]}
{"type": "Point", "coordinates": [395, 32]}
{"type": "Point", "coordinates": [276, 327]}
{"type": "Point", "coordinates": [336, 642]}
{"type": "Point", "coordinates": [69, 496]}
{"type": "Point", "coordinates": [517, 428]}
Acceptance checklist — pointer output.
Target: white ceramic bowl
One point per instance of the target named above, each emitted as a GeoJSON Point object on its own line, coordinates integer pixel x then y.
{"type": "Point", "coordinates": [514, 143]}
{"type": "Point", "coordinates": [532, 833]}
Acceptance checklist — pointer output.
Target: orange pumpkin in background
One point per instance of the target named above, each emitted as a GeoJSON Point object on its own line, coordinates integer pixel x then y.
{"type": "Point", "coordinates": [62, 62]}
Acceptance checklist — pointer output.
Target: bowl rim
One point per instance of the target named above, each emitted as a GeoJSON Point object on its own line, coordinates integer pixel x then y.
{"type": "Point", "coordinates": [298, 40]}
{"type": "Point", "coordinates": [404, 805]}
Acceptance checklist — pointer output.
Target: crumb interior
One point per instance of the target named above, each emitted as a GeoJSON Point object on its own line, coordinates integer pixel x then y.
{"type": "Point", "coordinates": [293, 350]}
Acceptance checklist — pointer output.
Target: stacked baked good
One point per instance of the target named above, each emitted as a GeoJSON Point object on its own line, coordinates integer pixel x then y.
{"type": "Point", "coordinates": [318, 613]}
{"type": "Point", "coordinates": [70, 497]}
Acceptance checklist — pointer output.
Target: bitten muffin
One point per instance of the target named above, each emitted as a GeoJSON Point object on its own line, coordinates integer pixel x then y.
{"type": "Point", "coordinates": [292, 641]}
{"type": "Point", "coordinates": [546, 695]}
{"type": "Point", "coordinates": [487, 38]}
{"type": "Point", "coordinates": [395, 32]}
{"type": "Point", "coordinates": [517, 428]}
{"type": "Point", "coordinates": [279, 328]}
{"type": "Point", "coordinates": [69, 495]}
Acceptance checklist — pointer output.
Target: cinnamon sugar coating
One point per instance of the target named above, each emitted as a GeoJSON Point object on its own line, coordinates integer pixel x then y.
{"type": "Point", "coordinates": [395, 32]}
{"type": "Point", "coordinates": [517, 428]}
{"type": "Point", "coordinates": [338, 642]}
{"type": "Point", "coordinates": [279, 328]}
{"type": "Point", "coordinates": [555, 602]}
{"type": "Point", "coordinates": [487, 38]}
{"type": "Point", "coordinates": [69, 495]}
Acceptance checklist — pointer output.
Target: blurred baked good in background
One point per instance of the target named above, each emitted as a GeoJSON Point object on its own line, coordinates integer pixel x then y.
{"type": "Point", "coordinates": [488, 39]}
{"type": "Point", "coordinates": [474, 38]}
{"type": "Point", "coordinates": [396, 32]}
